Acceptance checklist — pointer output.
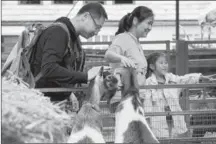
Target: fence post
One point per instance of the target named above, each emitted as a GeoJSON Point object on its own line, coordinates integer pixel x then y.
{"type": "Point", "coordinates": [182, 69]}
{"type": "Point", "coordinates": [168, 54]}
{"type": "Point", "coordinates": [181, 57]}
{"type": "Point", "coordinates": [2, 44]}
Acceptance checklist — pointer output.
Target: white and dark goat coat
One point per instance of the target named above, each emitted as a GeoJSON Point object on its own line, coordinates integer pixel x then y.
{"type": "Point", "coordinates": [87, 126]}
{"type": "Point", "coordinates": [131, 125]}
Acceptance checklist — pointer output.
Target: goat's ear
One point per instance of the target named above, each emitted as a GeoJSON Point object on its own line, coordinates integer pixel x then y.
{"type": "Point", "coordinates": [101, 71]}
{"type": "Point", "coordinates": [105, 74]}
{"type": "Point", "coordinates": [134, 80]}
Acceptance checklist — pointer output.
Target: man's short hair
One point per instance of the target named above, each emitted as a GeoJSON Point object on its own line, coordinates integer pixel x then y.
{"type": "Point", "coordinates": [96, 9]}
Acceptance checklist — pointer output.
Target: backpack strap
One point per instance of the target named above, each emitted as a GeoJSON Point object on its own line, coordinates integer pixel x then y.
{"type": "Point", "coordinates": [65, 28]}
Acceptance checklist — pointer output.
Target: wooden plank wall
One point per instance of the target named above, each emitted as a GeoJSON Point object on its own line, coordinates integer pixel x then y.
{"type": "Point", "coordinates": [199, 60]}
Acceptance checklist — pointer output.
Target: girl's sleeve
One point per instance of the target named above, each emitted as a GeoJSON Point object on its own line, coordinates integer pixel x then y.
{"type": "Point", "coordinates": [192, 78]}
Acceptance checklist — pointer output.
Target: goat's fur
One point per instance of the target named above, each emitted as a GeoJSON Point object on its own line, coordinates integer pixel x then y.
{"type": "Point", "coordinates": [131, 125]}
{"type": "Point", "coordinates": [87, 126]}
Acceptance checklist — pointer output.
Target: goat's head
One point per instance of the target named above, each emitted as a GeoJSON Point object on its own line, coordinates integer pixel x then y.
{"type": "Point", "coordinates": [103, 86]}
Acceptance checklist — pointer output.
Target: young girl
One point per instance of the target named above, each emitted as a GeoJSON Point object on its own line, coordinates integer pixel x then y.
{"type": "Point", "coordinates": [161, 100]}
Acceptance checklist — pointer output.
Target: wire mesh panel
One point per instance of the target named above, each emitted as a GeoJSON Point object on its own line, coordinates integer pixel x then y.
{"type": "Point", "coordinates": [108, 122]}
{"type": "Point", "coordinates": [199, 128]}
{"type": "Point", "coordinates": [203, 124]}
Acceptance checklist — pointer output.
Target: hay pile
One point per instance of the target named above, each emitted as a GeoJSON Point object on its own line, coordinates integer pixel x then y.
{"type": "Point", "coordinates": [30, 117]}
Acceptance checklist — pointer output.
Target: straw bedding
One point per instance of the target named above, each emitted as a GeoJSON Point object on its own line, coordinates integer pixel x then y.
{"type": "Point", "coordinates": [28, 116]}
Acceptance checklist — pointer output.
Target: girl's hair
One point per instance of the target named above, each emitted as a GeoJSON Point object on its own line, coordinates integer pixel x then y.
{"type": "Point", "coordinates": [140, 12]}
{"type": "Point", "coordinates": [151, 59]}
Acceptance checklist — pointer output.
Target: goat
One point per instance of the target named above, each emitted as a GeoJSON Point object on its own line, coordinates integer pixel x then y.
{"type": "Point", "coordinates": [131, 125]}
{"type": "Point", "coordinates": [87, 126]}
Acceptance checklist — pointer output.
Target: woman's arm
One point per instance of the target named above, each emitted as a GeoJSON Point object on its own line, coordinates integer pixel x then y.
{"type": "Point", "coordinates": [112, 57]}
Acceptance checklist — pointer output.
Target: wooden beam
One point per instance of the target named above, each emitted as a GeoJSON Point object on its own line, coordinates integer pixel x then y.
{"type": "Point", "coordinates": [202, 63]}
{"type": "Point", "coordinates": [109, 23]}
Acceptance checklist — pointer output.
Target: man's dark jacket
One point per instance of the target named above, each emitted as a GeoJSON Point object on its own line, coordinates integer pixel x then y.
{"type": "Point", "coordinates": [49, 58]}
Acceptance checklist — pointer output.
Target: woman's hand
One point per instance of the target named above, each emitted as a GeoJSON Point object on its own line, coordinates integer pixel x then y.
{"type": "Point", "coordinates": [127, 62]}
{"type": "Point", "coordinates": [113, 57]}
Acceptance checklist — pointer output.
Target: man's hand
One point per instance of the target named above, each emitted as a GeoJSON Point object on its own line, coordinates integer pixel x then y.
{"type": "Point", "coordinates": [93, 72]}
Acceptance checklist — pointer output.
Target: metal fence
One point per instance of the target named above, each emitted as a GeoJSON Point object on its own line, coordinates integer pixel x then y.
{"type": "Point", "coordinates": [199, 121]}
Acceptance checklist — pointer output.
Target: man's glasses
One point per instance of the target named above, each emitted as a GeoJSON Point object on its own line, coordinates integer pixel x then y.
{"type": "Point", "coordinates": [98, 27]}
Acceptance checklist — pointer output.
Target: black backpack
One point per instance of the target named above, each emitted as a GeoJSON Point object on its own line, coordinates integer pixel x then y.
{"type": "Point", "coordinates": [17, 62]}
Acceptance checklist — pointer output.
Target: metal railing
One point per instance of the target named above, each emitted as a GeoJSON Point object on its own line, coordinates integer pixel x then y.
{"type": "Point", "coordinates": [182, 60]}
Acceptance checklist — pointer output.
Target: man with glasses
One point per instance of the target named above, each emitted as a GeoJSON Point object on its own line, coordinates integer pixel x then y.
{"type": "Point", "coordinates": [59, 56]}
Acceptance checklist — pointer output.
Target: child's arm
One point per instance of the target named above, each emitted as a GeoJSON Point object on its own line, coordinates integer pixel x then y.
{"type": "Point", "coordinates": [192, 78]}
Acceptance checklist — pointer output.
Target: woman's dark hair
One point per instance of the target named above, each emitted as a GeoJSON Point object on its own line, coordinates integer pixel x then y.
{"type": "Point", "coordinates": [140, 12]}
{"type": "Point", "coordinates": [151, 59]}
